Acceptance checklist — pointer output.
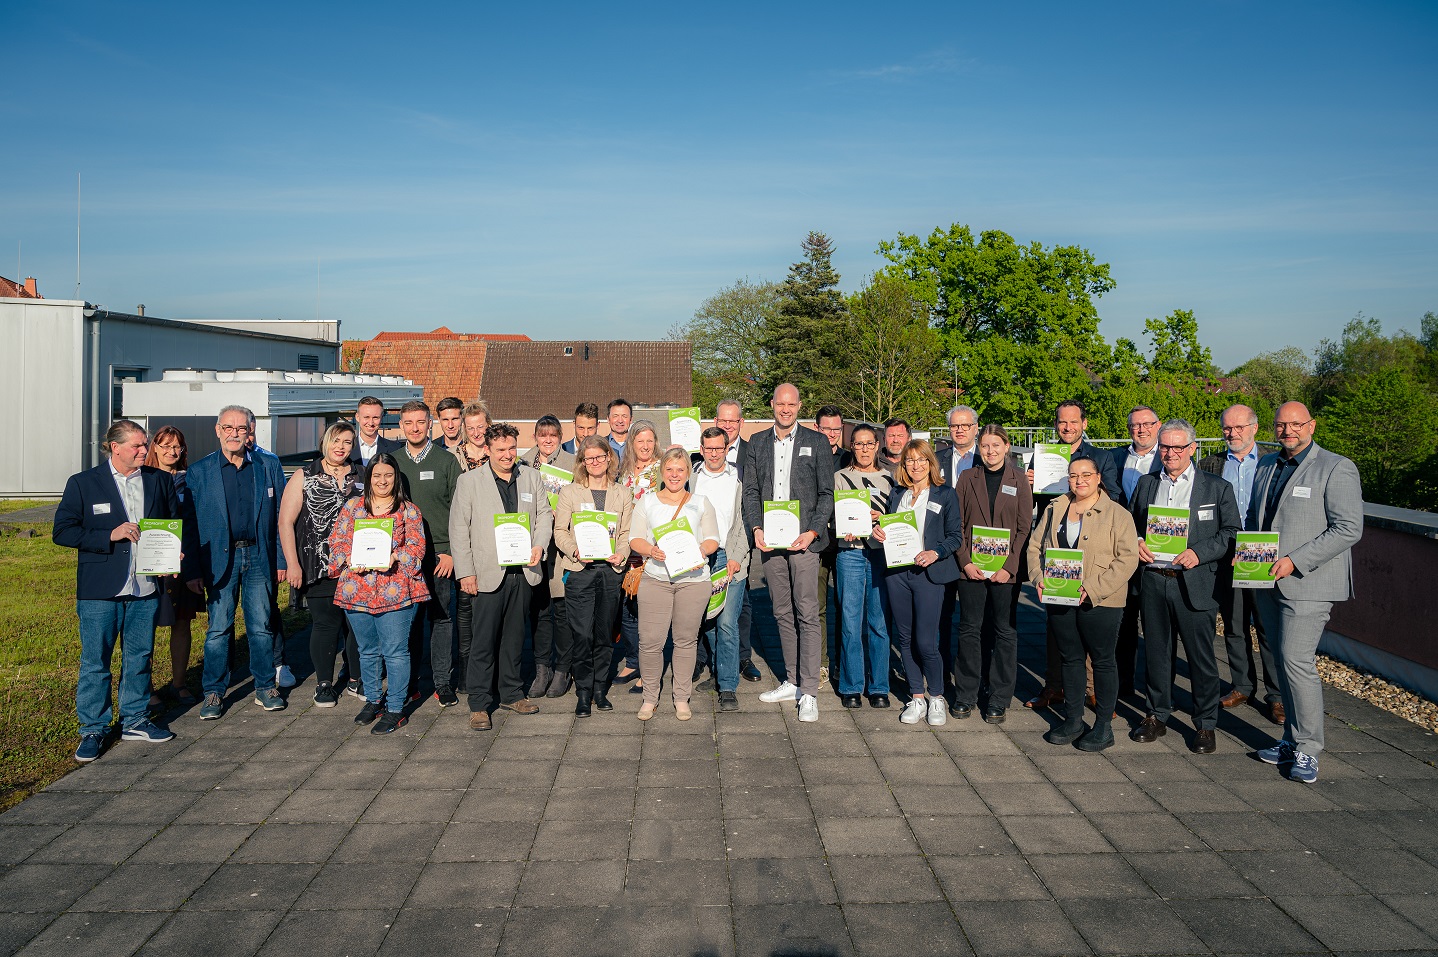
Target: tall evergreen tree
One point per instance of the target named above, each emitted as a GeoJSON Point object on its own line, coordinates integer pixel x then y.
{"type": "Point", "coordinates": [803, 339]}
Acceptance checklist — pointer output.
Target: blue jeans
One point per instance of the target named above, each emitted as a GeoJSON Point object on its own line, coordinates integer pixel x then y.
{"type": "Point", "coordinates": [858, 577]}
{"type": "Point", "coordinates": [101, 622]}
{"type": "Point", "coordinates": [383, 642]}
{"type": "Point", "coordinates": [252, 581]}
{"type": "Point", "coordinates": [724, 629]}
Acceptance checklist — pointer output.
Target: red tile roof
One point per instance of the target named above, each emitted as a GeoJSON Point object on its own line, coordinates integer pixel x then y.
{"type": "Point", "coordinates": [9, 289]}
{"type": "Point", "coordinates": [444, 332]}
{"type": "Point", "coordinates": [444, 367]}
{"type": "Point", "coordinates": [524, 380]}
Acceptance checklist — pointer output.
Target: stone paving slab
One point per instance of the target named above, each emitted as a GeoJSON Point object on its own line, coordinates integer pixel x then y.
{"type": "Point", "coordinates": [742, 833]}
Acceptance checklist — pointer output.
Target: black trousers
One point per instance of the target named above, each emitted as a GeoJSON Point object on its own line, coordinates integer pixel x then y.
{"type": "Point", "coordinates": [549, 628]}
{"type": "Point", "coordinates": [987, 628]}
{"type": "Point", "coordinates": [464, 627]}
{"type": "Point", "coordinates": [497, 646]}
{"type": "Point", "coordinates": [327, 630]}
{"type": "Point", "coordinates": [592, 597]}
{"type": "Point", "coordinates": [436, 615]}
{"type": "Point", "coordinates": [1127, 651]}
{"type": "Point", "coordinates": [1164, 611]}
{"type": "Point", "coordinates": [1239, 611]}
{"type": "Point", "coordinates": [1080, 631]}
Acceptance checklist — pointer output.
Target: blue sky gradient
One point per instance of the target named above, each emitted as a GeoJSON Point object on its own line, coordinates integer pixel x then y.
{"type": "Point", "coordinates": [571, 170]}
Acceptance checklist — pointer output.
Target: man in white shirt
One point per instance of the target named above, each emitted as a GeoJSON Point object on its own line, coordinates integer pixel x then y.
{"type": "Point", "coordinates": [1130, 463]}
{"type": "Point", "coordinates": [718, 482]}
{"type": "Point", "coordinates": [368, 441]}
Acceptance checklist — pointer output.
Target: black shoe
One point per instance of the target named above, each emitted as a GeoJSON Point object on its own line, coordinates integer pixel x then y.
{"type": "Point", "coordinates": [748, 672]}
{"type": "Point", "coordinates": [624, 679]}
{"type": "Point", "coordinates": [994, 715]}
{"type": "Point", "coordinates": [636, 689]}
{"type": "Point", "coordinates": [369, 712]}
{"type": "Point", "coordinates": [601, 702]}
{"type": "Point", "coordinates": [325, 695]}
{"type": "Point", "coordinates": [960, 710]}
{"type": "Point", "coordinates": [583, 705]}
{"type": "Point", "coordinates": [879, 701]}
{"type": "Point", "coordinates": [1066, 733]}
{"type": "Point", "coordinates": [446, 697]}
{"type": "Point", "coordinates": [706, 685]}
{"type": "Point", "coordinates": [1204, 742]}
{"type": "Point", "coordinates": [1149, 730]}
{"type": "Point", "coordinates": [1097, 738]}
{"type": "Point", "coordinates": [851, 701]}
{"type": "Point", "coordinates": [728, 701]}
{"type": "Point", "coordinates": [558, 685]}
{"type": "Point", "coordinates": [388, 722]}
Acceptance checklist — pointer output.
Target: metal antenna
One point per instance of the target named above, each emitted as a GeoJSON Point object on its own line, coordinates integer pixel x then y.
{"type": "Point", "coordinates": [77, 235]}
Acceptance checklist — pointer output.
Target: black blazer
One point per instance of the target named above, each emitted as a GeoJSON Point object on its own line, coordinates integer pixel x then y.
{"type": "Point", "coordinates": [382, 444]}
{"type": "Point", "coordinates": [944, 451]}
{"type": "Point", "coordinates": [1120, 457]}
{"type": "Point", "coordinates": [91, 508]}
{"type": "Point", "coordinates": [943, 531]}
{"type": "Point", "coordinates": [811, 481]}
{"type": "Point", "coordinates": [1213, 521]}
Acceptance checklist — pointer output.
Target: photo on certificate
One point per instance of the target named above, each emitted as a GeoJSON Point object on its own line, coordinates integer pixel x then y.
{"type": "Point", "coordinates": [1167, 533]}
{"type": "Point", "coordinates": [1063, 576]}
{"type": "Point", "coordinates": [989, 549]}
{"type": "Point", "coordinates": [1254, 556]}
{"type": "Point", "coordinates": [719, 593]}
{"type": "Point", "coordinates": [554, 478]}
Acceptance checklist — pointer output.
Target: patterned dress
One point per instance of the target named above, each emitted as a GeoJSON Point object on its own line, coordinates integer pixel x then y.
{"type": "Point", "coordinates": [377, 592]}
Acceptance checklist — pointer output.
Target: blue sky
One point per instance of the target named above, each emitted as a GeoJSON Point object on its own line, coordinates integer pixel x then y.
{"type": "Point", "coordinates": [577, 169]}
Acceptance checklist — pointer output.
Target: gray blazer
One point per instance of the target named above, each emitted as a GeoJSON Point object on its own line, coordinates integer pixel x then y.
{"type": "Point", "coordinates": [1318, 521]}
{"type": "Point", "coordinates": [471, 524]}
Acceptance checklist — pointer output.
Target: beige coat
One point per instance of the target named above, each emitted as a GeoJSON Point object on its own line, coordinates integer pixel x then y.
{"type": "Point", "coordinates": [1108, 541]}
{"type": "Point", "coordinates": [471, 524]}
{"type": "Point", "coordinates": [573, 498]}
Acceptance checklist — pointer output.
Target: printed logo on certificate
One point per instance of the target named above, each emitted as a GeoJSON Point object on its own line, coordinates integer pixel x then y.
{"type": "Point", "coordinates": [781, 523]}
{"type": "Point", "coordinates": [989, 549]}
{"type": "Point", "coordinates": [1063, 576]}
{"type": "Point", "coordinates": [1167, 533]}
{"type": "Point", "coordinates": [371, 549]}
{"type": "Point", "coordinates": [851, 512]}
{"type": "Point", "coordinates": [1254, 556]}
{"type": "Point", "coordinates": [594, 534]}
{"type": "Point", "coordinates": [158, 551]}
{"type": "Point", "coordinates": [902, 542]}
{"type": "Point", "coordinates": [680, 546]}
{"type": "Point", "coordinates": [684, 430]}
{"type": "Point", "coordinates": [1051, 468]}
{"type": "Point", "coordinates": [511, 538]}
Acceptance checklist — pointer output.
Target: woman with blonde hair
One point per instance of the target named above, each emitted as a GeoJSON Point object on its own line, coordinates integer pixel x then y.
{"type": "Point", "coordinates": [639, 473]}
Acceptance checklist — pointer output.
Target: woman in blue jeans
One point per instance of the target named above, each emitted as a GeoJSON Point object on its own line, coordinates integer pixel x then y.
{"type": "Point", "coordinates": [859, 577]}
{"type": "Point", "coordinates": [380, 603]}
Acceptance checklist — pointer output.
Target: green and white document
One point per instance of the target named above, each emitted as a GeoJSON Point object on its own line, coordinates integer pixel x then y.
{"type": "Point", "coordinates": [511, 538]}
{"type": "Point", "coordinates": [371, 549]}
{"type": "Point", "coordinates": [554, 479]}
{"type": "Point", "coordinates": [1167, 532]}
{"type": "Point", "coordinates": [593, 533]}
{"type": "Point", "coordinates": [680, 546]}
{"type": "Point", "coordinates": [158, 550]}
{"type": "Point", "coordinates": [1254, 555]}
{"type": "Point", "coordinates": [781, 523]}
{"type": "Point", "coordinates": [684, 430]}
{"type": "Point", "coordinates": [851, 512]}
{"type": "Point", "coordinates": [990, 549]}
{"type": "Point", "coordinates": [1063, 576]}
{"type": "Point", "coordinates": [719, 582]}
{"type": "Point", "coordinates": [1051, 468]}
{"type": "Point", "coordinates": [902, 542]}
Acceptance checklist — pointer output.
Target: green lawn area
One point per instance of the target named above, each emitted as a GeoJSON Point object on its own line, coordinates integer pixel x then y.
{"type": "Point", "coordinates": [39, 660]}
{"type": "Point", "coordinates": [8, 505]}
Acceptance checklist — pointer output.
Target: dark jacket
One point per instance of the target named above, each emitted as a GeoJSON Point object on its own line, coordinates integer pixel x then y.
{"type": "Point", "coordinates": [1012, 511]}
{"type": "Point", "coordinates": [382, 444]}
{"type": "Point", "coordinates": [1213, 521]}
{"type": "Point", "coordinates": [1120, 456]}
{"type": "Point", "coordinates": [943, 531]}
{"type": "Point", "coordinates": [944, 451]}
{"type": "Point", "coordinates": [811, 481]}
{"type": "Point", "coordinates": [90, 509]}
{"type": "Point", "coordinates": [212, 516]}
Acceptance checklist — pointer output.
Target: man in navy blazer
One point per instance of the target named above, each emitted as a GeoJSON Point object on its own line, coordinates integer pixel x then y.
{"type": "Point", "coordinates": [1130, 463]}
{"type": "Point", "coordinates": [236, 495]}
{"type": "Point", "coordinates": [99, 515]}
{"type": "Point", "coordinates": [369, 413]}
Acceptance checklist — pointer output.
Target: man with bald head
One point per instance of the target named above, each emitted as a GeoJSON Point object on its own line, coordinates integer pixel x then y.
{"type": "Point", "coordinates": [1313, 499]}
{"type": "Point", "coordinates": [792, 463]}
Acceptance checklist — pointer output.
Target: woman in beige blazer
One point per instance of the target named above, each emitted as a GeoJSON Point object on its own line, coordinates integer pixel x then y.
{"type": "Point", "coordinates": [1085, 518]}
{"type": "Point", "coordinates": [591, 587]}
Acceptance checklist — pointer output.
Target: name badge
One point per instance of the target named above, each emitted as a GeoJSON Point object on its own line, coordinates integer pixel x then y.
{"type": "Point", "coordinates": [935, 507]}
{"type": "Point", "coordinates": [526, 497]}
{"type": "Point", "coordinates": [1205, 515]}
{"type": "Point", "coordinates": [587, 507]}
{"type": "Point", "coordinates": [100, 508]}
{"type": "Point", "coordinates": [271, 490]}
{"type": "Point", "coordinates": [805, 451]}
{"type": "Point", "coordinates": [1303, 491]}
{"type": "Point", "coordinates": [1008, 490]}
{"type": "Point", "coordinates": [426, 476]}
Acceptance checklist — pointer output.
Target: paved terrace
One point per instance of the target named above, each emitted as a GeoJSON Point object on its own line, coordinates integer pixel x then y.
{"type": "Point", "coordinates": [730, 834]}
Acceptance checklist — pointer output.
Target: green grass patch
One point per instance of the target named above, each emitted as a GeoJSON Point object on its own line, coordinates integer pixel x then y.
{"type": "Point", "coordinates": [8, 505]}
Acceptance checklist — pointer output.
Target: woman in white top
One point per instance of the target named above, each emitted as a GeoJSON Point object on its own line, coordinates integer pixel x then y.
{"type": "Point", "coordinates": [638, 472]}
{"type": "Point", "coordinates": [671, 598]}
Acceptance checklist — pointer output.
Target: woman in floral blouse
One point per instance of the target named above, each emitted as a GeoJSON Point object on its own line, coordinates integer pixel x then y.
{"type": "Point", "coordinates": [380, 603]}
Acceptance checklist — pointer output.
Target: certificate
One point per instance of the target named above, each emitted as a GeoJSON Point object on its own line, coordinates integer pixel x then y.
{"type": "Point", "coordinates": [1254, 555]}
{"type": "Point", "coordinates": [680, 546]}
{"type": "Point", "coordinates": [371, 549]}
{"type": "Point", "coordinates": [902, 542]}
{"type": "Point", "coordinates": [1063, 576]}
{"type": "Point", "coordinates": [158, 551]}
{"type": "Point", "coordinates": [554, 479]}
{"type": "Point", "coordinates": [511, 538]}
{"type": "Point", "coordinates": [719, 582]}
{"type": "Point", "coordinates": [1051, 468]}
{"type": "Point", "coordinates": [990, 549]}
{"type": "Point", "coordinates": [851, 513]}
{"type": "Point", "coordinates": [1167, 532]}
{"type": "Point", "coordinates": [684, 428]}
{"type": "Point", "coordinates": [593, 533]}
{"type": "Point", "coordinates": [781, 523]}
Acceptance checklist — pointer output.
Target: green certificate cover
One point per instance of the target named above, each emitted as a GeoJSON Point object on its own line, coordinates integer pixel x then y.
{"type": "Point", "coordinates": [851, 512]}
{"type": "Point", "coordinates": [719, 582]}
{"type": "Point", "coordinates": [990, 549]}
{"type": "Point", "coordinates": [511, 538]}
{"type": "Point", "coordinates": [680, 546]}
{"type": "Point", "coordinates": [1167, 532]}
{"type": "Point", "coordinates": [371, 549]}
{"type": "Point", "coordinates": [902, 542]}
{"type": "Point", "coordinates": [554, 479]}
{"type": "Point", "coordinates": [158, 550]}
{"type": "Point", "coordinates": [1254, 555]}
{"type": "Point", "coordinates": [1063, 576]}
{"type": "Point", "coordinates": [684, 430]}
{"type": "Point", "coordinates": [781, 523]}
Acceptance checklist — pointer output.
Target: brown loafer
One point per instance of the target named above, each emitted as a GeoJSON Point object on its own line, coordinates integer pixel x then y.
{"type": "Point", "coordinates": [479, 721]}
{"type": "Point", "coordinates": [1045, 698]}
{"type": "Point", "coordinates": [1233, 699]}
{"type": "Point", "coordinates": [1276, 714]}
{"type": "Point", "coordinates": [522, 706]}
{"type": "Point", "coordinates": [1149, 731]}
{"type": "Point", "coordinates": [1204, 742]}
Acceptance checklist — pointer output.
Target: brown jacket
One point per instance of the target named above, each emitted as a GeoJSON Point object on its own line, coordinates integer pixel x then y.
{"type": "Point", "coordinates": [1012, 511]}
{"type": "Point", "coordinates": [572, 497]}
{"type": "Point", "coordinates": [1109, 544]}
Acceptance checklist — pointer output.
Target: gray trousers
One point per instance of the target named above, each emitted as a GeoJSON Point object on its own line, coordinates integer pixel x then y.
{"type": "Point", "coordinates": [1236, 605]}
{"type": "Point", "coordinates": [793, 579]}
{"type": "Point", "coordinates": [1294, 627]}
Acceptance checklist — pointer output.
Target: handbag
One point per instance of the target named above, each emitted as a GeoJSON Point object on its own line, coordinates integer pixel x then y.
{"type": "Point", "coordinates": [635, 574]}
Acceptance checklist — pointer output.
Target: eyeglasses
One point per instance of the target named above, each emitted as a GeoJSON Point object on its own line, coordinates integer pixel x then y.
{"type": "Point", "coordinates": [1294, 427]}
{"type": "Point", "coordinates": [865, 445]}
{"type": "Point", "coordinates": [1173, 449]}
{"type": "Point", "coordinates": [727, 421]}
{"type": "Point", "coordinates": [1238, 428]}
{"type": "Point", "coordinates": [916, 461]}
{"type": "Point", "coordinates": [714, 448]}
{"type": "Point", "coordinates": [831, 428]}
{"type": "Point", "coordinates": [235, 429]}
{"type": "Point", "coordinates": [963, 425]}
{"type": "Point", "coordinates": [595, 459]}
{"type": "Point", "coordinates": [1143, 426]}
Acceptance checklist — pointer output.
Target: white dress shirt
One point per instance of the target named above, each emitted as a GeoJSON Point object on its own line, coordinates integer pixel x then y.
{"type": "Point", "coordinates": [783, 461]}
{"type": "Point", "coordinates": [1174, 493]}
{"type": "Point", "coordinates": [1135, 467]}
{"type": "Point", "coordinates": [132, 493]}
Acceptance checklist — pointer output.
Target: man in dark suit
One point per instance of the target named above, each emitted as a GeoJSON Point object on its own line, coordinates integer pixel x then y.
{"type": "Point", "coordinates": [729, 416]}
{"type": "Point", "coordinates": [960, 453]}
{"type": "Point", "coordinates": [790, 462]}
{"type": "Point", "coordinates": [1181, 595]}
{"type": "Point", "coordinates": [368, 441]}
{"type": "Point", "coordinates": [1131, 462]}
{"type": "Point", "coordinates": [99, 515]}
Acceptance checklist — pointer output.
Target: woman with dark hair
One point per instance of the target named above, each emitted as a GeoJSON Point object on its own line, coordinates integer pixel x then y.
{"type": "Point", "coordinates": [859, 579]}
{"type": "Point", "coordinates": [916, 592]}
{"type": "Point", "coordinates": [178, 605]}
{"type": "Point", "coordinates": [308, 511]}
{"type": "Point", "coordinates": [995, 497]}
{"type": "Point", "coordinates": [380, 603]}
{"type": "Point", "coordinates": [1085, 518]}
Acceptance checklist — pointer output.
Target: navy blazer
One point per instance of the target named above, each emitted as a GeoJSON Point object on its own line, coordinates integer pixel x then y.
{"type": "Point", "coordinates": [1213, 521]}
{"type": "Point", "coordinates": [382, 444]}
{"type": "Point", "coordinates": [944, 452]}
{"type": "Point", "coordinates": [212, 514]}
{"type": "Point", "coordinates": [1120, 459]}
{"type": "Point", "coordinates": [943, 531]}
{"type": "Point", "coordinates": [811, 481]}
{"type": "Point", "coordinates": [90, 510]}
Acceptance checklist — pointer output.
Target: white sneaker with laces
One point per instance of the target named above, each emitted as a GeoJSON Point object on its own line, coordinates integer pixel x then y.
{"type": "Point", "coordinates": [808, 708]}
{"type": "Point", "coordinates": [785, 692]}
{"type": "Point", "coordinates": [284, 677]}
{"type": "Point", "coordinates": [938, 711]}
{"type": "Point", "coordinates": [914, 711]}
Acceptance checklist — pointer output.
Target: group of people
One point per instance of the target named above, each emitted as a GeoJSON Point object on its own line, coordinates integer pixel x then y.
{"type": "Point", "coordinates": [401, 546]}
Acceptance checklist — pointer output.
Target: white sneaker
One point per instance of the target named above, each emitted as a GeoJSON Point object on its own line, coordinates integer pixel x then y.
{"type": "Point", "coordinates": [808, 708]}
{"type": "Point", "coordinates": [284, 677]}
{"type": "Point", "coordinates": [914, 711]}
{"type": "Point", "coordinates": [785, 692]}
{"type": "Point", "coordinates": [938, 711]}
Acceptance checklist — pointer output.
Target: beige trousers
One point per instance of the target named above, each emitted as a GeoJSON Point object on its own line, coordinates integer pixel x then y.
{"type": "Point", "coordinates": [663, 606]}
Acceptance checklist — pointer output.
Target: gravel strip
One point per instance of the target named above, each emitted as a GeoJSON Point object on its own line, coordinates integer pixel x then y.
{"type": "Point", "coordinates": [1373, 689]}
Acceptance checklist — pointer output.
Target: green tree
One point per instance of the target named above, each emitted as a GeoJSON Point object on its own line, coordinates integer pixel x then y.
{"type": "Point", "coordinates": [1278, 377]}
{"type": "Point", "coordinates": [1362, 351]}
{"type": "Point", "coordinates": [727, 336]}
{"type": "Point", "coordinates": [1388, 425]}
{"type": "Point", "coordinates": [804, 339]}
{"type": "Point", "coordinates": [890, 363]}
{"type": "Point", "coordinates": [1177, 355]}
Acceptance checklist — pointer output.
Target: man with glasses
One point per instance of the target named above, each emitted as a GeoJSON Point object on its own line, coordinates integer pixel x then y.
{"type": "Point", "coordinates": [729, 416]}
{"type": "Point", "coordinates": [1131, 462]}
{"type": "Point", "coordinates": [718, 481]}
{"type": "Point", "coordinates": [1313, 499]}
{"type": "Point", "coordinates": [1238, 465]}
{"type": "Point", "coordinates": [959, 452]}
{"type": "Point", "coordinates": [236, 497]}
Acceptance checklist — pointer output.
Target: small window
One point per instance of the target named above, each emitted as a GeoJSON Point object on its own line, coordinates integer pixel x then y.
{"type": "Point", "coordinates": [117, 389]}
{"type": "Point", "coordinates": [309, 363]}
{"type": "Point", "coordinates": [568, 351]}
